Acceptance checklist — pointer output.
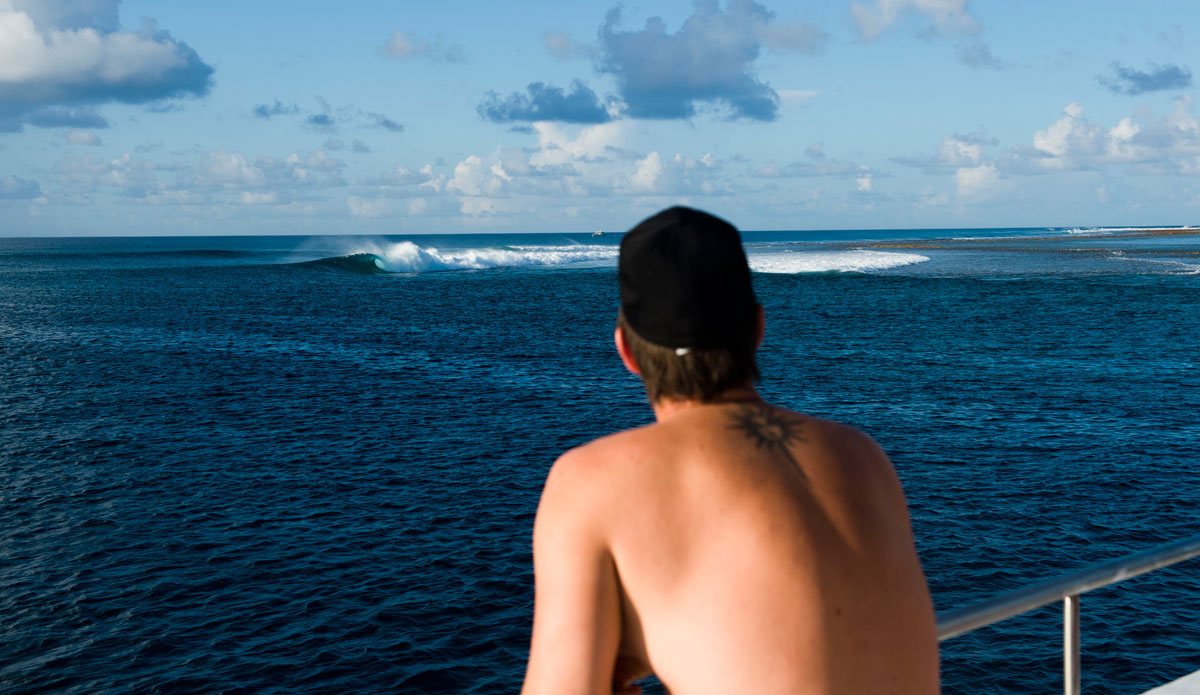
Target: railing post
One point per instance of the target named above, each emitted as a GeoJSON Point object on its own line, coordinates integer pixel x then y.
{"type": "Point", "coordinates": [1071, 679]}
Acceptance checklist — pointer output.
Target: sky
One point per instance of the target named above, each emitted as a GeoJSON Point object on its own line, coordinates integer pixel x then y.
{"type": "Point", "coordinates": [190, 118]}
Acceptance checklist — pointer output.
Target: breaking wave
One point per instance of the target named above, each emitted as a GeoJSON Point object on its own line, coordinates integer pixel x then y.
{"type": "Point", "coordinates": [853, 261]}
{"type": "Point", "coordinates": [408, 257]}
{"type": "Point", "coordinates": [361, 263]}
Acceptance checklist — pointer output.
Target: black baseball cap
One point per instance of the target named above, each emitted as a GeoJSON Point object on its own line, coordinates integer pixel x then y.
{"type": "Point", "coordinates": [685, 282]}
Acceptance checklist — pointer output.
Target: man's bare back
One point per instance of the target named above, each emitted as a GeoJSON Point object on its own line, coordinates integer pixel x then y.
{"type": "Point", "coordinates": [730, 546]}
{"type": "Point", "coordinates": [733, 546]}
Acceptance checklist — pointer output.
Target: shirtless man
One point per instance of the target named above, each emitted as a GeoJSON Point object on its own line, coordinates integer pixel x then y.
{"type": "Point", "coordinates": [731, 546]}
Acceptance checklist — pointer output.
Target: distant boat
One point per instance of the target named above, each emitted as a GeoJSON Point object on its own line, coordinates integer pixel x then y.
{"type": "Point", "coordinates": [597, 233]}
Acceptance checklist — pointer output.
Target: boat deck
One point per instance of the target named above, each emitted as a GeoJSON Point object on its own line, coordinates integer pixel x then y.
{"type": "Point", "coordinates": [1188, 685]}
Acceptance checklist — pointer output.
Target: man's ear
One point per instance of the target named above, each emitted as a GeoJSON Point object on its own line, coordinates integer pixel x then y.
{"type": "Point", "coordinates": [624, 351]}
{"type": "Point", "coordinates": [760, 325]}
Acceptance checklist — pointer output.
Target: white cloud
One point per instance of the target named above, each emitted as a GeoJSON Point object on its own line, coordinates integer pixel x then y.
{"type": "Point", "coordinates": [948, 16]}
{"type": "Point", "coordinates": [647, 177]}
{"type": "Point", "coordinates": [219, 177]}
{"type": "Point", "coordinates": [1155, 145]}
{"type": "Point", "coordinates": [228, 169]}
{"type": "Point", "coordinates": [474, 177]}
{"type": "Point", "coordinates": [263, 198]}
{"type": "Point", "coordinates": [567, 164]}
{"type": "Point", "coordinates": [1120, 145]}
{"type": "Point", "coordinates": [72, 53]}
{"type": "Point", "coordinates": [864, 183]}
{"type": "Point", "coordinates": [677, 175]}
{"type": "Point", "coordinates": [368, 207]}
{"type": "Point", "coordinates": [958, 151]}
{"type": "Point", "coordinates": [557, 147]}
{"type": "Point", "coordinates": [1071, 132]}
{"type": "Point", "coordinates": [977, 182]}
{"type": "Point", "coordinates": [402, 182]}
{"type": "Point", "coordinates": [133, 177]}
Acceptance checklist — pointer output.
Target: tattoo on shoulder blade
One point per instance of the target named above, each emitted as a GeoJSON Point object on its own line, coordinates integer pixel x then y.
{"type": "Point", "coordinates": [768, 428]}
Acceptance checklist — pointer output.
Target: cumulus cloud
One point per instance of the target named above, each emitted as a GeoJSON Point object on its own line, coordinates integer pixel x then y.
{"type": "Point", "coordinates": [954, 151]}
{"type": "Point", "coordinates": [709, 60]}
{"type": "Point", "coordinates": [567, 164]}
{"type": "Point", "coordinates": [132, 177]}
{"type": "Point", "coordinates": [1155, 145]}
{"type": "Point", "coordinates": [277, 108]}
{"type": "Point", "coordinates": [258, 198]}
{"type": "Point", "coordinates": [68, 54]}
{"type": "Point", "coordinates": [546, 103]}
{"type": "Point", "coordinates": [411, 46]}
{"type": "Point", "coordinates": [219, 176]}
{"type": "Point", "coordinates": [1071, 142]}
{"type": "Point", "coordinates": [974, 183]}
{"type": "Point", "coordinates": [13, 188]}
{"type": "Point", "coordinates": [947, 16]}
{"type": "Point", "coordinates": [675, 176]}
{"type": "Point", "coordinates": [1126, 80]}
{"type": "Point", "coordinates": [475, 177]}
{"type": "Point", "coordinates": [598, 144]}
{"type": "Point", "coordinates": [402, 182]}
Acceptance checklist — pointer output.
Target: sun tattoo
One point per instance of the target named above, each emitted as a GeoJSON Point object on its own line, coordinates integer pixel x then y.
{"type": "Point", "coordinates": [768, 429]}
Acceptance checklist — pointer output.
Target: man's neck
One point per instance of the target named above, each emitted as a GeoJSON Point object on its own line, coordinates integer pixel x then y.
{"type": "Point", "coordinates": [666, 407]}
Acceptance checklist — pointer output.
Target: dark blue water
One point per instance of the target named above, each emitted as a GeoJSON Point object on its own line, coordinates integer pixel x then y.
{"type": "Point", "coordinates": [264, 466]}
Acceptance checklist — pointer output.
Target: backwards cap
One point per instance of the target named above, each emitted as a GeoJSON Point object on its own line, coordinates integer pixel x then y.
{"type": "Point", "coordinates": [684, 281]}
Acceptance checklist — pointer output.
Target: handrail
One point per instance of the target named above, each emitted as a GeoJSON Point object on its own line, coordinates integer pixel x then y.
{"type": "Point", "coordinates": [1066, 589]}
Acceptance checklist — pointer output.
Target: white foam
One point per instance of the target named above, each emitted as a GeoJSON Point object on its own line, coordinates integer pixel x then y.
{"type": "Point", "coordinates": [407, 257]}
{"type": "Point", "coordinates": [853, 261]}
{"type": "Point", "coordinates": [1104, 231]}
{"type": "Point", "coordinates": [1181, 267]}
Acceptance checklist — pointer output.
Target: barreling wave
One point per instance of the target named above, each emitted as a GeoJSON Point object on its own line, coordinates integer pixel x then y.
{"type": "Point", "coordinates": [852, 261]}
{"type": "Point", "coordinates": [360, 263]}
{"type": "Point", "coordinates": [408, 257]}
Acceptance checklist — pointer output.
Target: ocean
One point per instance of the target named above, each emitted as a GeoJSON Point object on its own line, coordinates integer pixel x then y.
{"type": "Point", "coordinates": [311, 464]}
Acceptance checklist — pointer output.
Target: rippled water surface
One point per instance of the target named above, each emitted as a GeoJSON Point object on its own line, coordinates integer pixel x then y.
{"type": "Point", "coordinates": [306, 465]}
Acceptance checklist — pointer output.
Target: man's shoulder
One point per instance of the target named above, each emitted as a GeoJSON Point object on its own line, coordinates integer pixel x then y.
{"type": "Point", "coordinates": [584, 485]}
{"type": "Point", "coordinates": [601, 458]}
{"type": "Point", "coordinates": [835, 433]}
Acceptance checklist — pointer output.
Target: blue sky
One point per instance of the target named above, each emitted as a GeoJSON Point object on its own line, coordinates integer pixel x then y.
{"type": "Point", "coordinates": [382, 117]}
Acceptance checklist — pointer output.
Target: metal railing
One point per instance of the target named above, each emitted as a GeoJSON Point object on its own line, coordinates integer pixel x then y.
{"type": "Point", "coordinates": [1066, 589]}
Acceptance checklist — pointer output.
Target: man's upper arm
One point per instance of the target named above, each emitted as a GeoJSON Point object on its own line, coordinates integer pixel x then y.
{"type": "Point", "coordinates": [576, 624]}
